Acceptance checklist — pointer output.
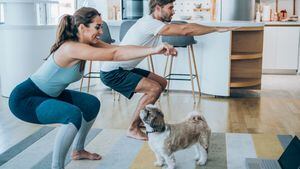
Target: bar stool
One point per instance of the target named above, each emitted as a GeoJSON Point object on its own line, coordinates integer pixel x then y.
{"type": "Point", "coordinates": [185, 42]}
{"type": "Point", "coordinates": [125, 26]}
{"type": "Point", "coordinates": [105, 37]}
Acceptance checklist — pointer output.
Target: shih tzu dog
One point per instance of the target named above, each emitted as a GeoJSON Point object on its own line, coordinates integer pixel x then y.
{"type": "Point", "coordinates": [165, 139]}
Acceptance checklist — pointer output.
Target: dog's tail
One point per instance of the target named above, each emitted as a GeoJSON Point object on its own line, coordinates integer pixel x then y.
{"type": "Point", "coordinates": [195, 117]}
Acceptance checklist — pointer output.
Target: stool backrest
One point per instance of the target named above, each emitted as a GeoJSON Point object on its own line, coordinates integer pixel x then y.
{"type": "Point", "coordinates": [125, 26]}
{"type": "Point", "coordinates": [106, 37]}
{"type": "Point", "coordinates": [179, 41]}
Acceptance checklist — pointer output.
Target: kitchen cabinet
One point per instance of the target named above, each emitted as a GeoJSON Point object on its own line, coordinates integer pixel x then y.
{"type": "Point", "coordinates": [230, 60]}
{"type": "Point", "coordinates": [281, 49]}
{"type": "Point", "coordinates": [246, 58]}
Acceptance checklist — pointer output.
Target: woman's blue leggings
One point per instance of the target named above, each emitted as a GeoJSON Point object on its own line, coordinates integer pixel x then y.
{"type": "Point", "coordinates": [28, 103]}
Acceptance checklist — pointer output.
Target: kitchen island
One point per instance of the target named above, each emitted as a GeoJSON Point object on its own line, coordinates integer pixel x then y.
{"type": "Point", "coordinates": [225, 60]}
{"type": "Point", "coordinates": [232, 59]}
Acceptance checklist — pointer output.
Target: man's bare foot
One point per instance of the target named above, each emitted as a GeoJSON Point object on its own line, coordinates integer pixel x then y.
{"type": "Point", "coordinates": [136, 133]}
{"type": "Point", "coordinates": [82, 154]}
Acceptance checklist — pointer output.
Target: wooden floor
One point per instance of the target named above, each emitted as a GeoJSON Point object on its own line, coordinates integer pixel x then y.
{"type": "Point", "coordinates": [274, 109]}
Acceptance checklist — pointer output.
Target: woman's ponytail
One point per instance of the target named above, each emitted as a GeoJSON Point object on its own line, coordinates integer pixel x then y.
{"type": "Point", "coordinates": [67, 30]}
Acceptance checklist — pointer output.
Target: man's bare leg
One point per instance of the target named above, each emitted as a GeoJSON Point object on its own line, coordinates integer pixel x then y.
{"type": "Point", "coordinates": [152, 92]}
{"type": "Point", "coordinates": [163, 83]}
{"type": "Point", "coordinates": [161, 80]}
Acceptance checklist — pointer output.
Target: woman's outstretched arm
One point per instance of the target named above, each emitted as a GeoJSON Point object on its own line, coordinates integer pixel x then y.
{"type": "Point", "coordinates": [115, 53]}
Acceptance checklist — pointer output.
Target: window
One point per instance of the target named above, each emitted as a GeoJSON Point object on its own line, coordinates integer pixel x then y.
{"type": "Point", "coordinates": [1, 13]}
{"type": "Point", "coordinates": [50, 13]}
{"type": "Point", "coordinates": [66, 7]}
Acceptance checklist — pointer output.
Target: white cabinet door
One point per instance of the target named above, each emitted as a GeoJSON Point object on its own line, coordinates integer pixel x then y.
{"type": "Point", "coordinates": [281, 46]}
{"type": "Point", "coordinates": [287, 47]}
{"type": "Point", "coordinates": [269, 52]}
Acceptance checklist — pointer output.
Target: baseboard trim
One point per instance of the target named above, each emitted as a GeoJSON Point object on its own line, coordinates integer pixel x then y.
{"type": "Point", "coordinates": [280, 71]}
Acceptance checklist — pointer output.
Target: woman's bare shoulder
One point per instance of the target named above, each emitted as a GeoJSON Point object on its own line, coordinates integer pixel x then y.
{"type": "Point", "coordinates": [64, 55]}
{"type": "Point", "coordinates": [69, 45]}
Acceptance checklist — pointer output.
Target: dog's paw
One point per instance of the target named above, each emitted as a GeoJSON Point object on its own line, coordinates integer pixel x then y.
{"type": "Point", "coordinates": [201, 162]}
{"type": "Point", "coordinates": [158, 163]}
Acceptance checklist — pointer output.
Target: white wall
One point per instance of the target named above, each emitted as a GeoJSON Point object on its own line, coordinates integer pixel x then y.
{"type": "Point", "coordinates": [22, 58]}
{"type": "Point", "coordinates": [100, 5]}
{"type": "Point", "coordinates": [1, 13]}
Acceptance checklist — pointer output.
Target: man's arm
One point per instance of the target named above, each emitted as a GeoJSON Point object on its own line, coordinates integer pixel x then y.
{"type": "Point", "coordinates": [191, 29]}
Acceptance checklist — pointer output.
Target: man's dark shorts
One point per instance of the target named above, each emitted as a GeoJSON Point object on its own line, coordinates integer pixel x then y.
{"type": "Point", "coordinates": [123, 81]}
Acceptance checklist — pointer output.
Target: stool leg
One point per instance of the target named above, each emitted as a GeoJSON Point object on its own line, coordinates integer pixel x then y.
{"type": "Point", "coordinates": [89, 79]}
{"type": "Point", "coordinates": [165, 71]}
{"type": "Point", "coordinates": [151, 64]}
{"type": "Point", "coordinates": [119, 96]}
{"type": "Point", "coordinates": [191, 72]}
{"type": "Point", "coordinates": [170, 72]}
{"type": "Point", "coordinates": [196, 71]}
{"type": "Point", "coordinates": [81, 82]}
{"type": "Point", "coordinates": [114, 94]}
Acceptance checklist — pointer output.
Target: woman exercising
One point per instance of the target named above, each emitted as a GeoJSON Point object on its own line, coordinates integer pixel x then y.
{"type": "Point", "coordinates": [44, 99]}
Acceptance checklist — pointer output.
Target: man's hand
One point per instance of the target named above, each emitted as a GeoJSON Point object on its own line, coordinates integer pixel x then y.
{"type": "Point", "coordinates": [165, 49]}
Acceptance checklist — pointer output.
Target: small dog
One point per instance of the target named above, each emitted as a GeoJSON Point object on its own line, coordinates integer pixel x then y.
{"type": "Point", "coordinates": [165, 139]}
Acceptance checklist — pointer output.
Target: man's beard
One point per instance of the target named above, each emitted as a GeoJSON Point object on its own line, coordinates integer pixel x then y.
{"type": "Point", "coordinates": [166, 18]}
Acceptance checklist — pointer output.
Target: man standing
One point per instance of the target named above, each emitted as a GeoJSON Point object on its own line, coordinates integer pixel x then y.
{"type": "Point", "coordinates": [124, 78]}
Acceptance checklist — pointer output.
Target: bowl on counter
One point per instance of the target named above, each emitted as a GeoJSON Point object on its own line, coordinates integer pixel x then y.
{"type": "Point", "coordinates": [185, 17]}
{"type": "Point", "coordinates": [198, 17]}
{"type": "Point", "coordinates": [198, 5]}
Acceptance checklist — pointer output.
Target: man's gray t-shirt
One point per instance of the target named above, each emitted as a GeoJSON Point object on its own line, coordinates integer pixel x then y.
{"type": "Point", "coordinates": [143, 33]}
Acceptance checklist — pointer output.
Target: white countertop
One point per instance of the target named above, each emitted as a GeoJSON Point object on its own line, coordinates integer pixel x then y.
{"type": "Point", "coordinates": [208, 23]}
{"type": "Point", "coordinates": [28, 1]}
{"type": "Point", "coordinates": [224, 23]}
{"type": "Point", "coordinates": [228, 23]}
{"type": "Point", "coordinates": [24, 27]}
{"type": "Point", "coordinates": [282, 23]}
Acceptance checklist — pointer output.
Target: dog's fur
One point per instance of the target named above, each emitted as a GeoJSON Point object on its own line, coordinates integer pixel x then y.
{"type": "Point", "coordinates": [165, 139]}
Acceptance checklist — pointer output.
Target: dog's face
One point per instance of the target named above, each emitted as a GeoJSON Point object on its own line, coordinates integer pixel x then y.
{"type": "Point", "coordinates": [153, 118]}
